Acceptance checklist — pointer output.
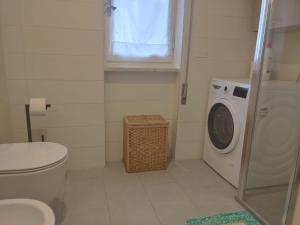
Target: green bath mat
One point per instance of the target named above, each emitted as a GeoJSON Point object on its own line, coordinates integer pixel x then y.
{"type": "Point", "coordinates": [225, 219]}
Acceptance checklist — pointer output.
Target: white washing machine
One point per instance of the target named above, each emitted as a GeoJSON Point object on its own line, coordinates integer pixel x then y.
{"type": "Point", "coordinates": [276, 140]}
{"type": "Point", "coordinates": [226, 120]}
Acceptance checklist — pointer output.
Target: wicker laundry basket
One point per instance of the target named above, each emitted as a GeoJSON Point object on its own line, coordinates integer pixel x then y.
{"type": "Point", "coordinates": [145, 143]}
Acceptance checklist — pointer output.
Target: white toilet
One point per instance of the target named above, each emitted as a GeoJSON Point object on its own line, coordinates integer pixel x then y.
{"type": "Point", "coordinates": [34, 171]}
{"type": "Point", "coordinates": [25, 212]}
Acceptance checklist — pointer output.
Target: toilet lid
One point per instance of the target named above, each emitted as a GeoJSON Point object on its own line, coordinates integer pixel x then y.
{"type": "Point", "coordinates": [22, 157]}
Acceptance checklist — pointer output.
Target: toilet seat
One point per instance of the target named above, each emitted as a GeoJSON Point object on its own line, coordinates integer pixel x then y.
{"type": "Point", "coordinates": [30, 157]}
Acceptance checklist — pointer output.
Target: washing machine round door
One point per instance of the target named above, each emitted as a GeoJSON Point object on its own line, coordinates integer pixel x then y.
{"type": "Point", "coordinates": [223, 126]}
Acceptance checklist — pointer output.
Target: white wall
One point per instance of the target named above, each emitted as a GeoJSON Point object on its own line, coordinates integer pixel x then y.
{"type": "Point", "coordinates": [136, 93]}
{"type": "Point", "coordinates": [4, 116]}
{"type": "Point", "coordinates": [53, 49]}
{"type": "Point", "coordinates": [222, 45]}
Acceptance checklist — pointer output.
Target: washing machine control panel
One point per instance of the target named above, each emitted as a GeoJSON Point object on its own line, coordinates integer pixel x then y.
{"type": "Point", "coordinates": [221, 88]}
{"type": "Point", "coordinates": [240, 92]}
{"type": "Point", "coordinates": [230, 89]}
{"type": "Point", "coordinates": [216, 86]}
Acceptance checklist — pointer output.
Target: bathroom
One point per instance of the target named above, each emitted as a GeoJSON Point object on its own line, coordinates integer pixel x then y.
{"type": "Point", "coordinates": [64, 51]}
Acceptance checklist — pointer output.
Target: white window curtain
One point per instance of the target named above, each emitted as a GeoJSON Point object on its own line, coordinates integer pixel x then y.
{"type": "Point", "coordinates": [140, 30]}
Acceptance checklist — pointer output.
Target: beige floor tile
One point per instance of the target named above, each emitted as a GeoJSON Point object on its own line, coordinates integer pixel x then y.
{"type": "Point", "coordinates": [133, 215]}
{"type": "Point", "coordinates": [129, 205]}
{"type": "Point", "coordinates": [210, 201]}
{"type": "Point", "coordinates": [155, 177]}
{"type": "Point", "coordinates": [198, 174]}
{"type": "Point", "coordinates": [115, 174]}
{"type": "Point", "coordinates": [85, 202]}
{"type": "Point", "coordinates": [168, 193]}
{"type": "Point", "coordinates": [171, 203]}
{"type": "Point", "coordinates": [110, 196]}
{"type": "Point", "coordinates": [175, 214]}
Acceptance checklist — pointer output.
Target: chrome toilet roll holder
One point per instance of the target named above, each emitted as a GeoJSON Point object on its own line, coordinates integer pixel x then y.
{"type": "Point", "coordinates": [28, 121]}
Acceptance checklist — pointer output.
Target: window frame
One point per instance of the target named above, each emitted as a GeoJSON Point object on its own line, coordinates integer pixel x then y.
{"type": "Point", "coordinates": [127, 62]}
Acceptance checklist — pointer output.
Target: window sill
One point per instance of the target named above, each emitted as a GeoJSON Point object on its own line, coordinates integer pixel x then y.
{"type": "Point", "coordinates": [144, 67]}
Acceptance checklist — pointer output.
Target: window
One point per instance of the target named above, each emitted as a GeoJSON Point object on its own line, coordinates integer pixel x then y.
{"type": "Point", "coordinates": [140, 30]}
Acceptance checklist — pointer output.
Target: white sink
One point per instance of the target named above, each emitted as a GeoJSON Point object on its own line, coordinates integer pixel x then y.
{"type": "Point", "coordinates": [25, 212]}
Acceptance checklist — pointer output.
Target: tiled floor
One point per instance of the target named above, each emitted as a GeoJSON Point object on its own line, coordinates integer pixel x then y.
{"type": "Point", "coordinates": [110, 196]}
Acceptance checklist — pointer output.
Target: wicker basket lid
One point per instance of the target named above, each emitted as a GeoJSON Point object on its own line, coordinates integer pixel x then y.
{"type": "Point", "coordinates": [145, 119]}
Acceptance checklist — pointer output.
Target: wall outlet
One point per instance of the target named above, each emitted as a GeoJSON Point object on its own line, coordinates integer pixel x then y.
{"type": "Point", "coordinates": [39, 135]}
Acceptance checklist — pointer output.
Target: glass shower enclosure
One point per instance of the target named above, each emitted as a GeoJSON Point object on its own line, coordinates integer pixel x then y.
{"type": "Point", "coordinates": [269, 180]}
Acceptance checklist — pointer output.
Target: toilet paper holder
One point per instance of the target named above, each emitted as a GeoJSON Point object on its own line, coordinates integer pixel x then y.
{"type": "Point", "coordinates": [28, 121]}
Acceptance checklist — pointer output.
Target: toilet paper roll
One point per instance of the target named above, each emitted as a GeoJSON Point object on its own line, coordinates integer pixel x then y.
{"type": "Point", "coordinates": [37, 107]}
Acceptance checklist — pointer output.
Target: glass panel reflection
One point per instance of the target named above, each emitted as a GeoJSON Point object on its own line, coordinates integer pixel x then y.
{"type": "Point", "coordinates": [276, 139]}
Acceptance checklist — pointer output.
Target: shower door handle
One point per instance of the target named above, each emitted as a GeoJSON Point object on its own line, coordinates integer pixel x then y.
{"type": "Point", "coordinates": [263, 112]}
{"type": "Point", "coordinates": [109, 7]}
